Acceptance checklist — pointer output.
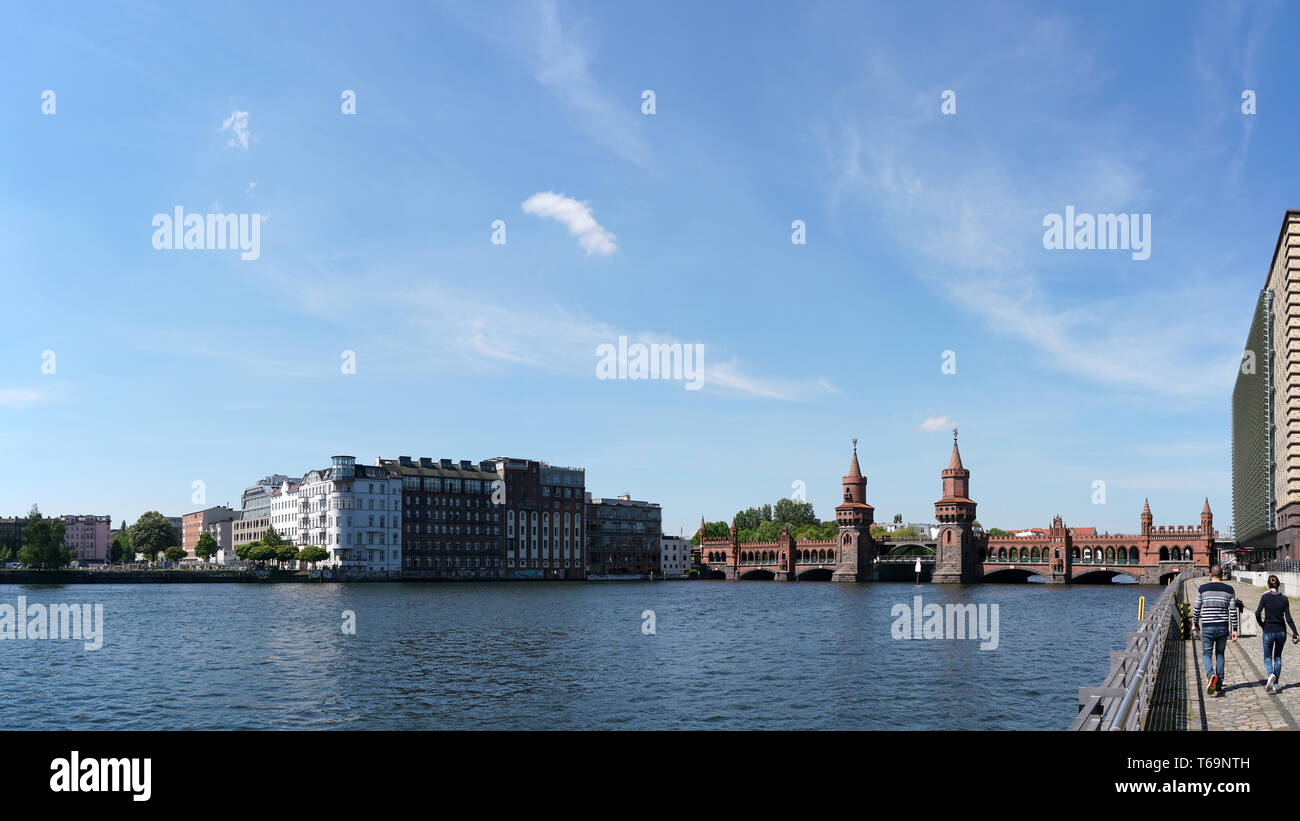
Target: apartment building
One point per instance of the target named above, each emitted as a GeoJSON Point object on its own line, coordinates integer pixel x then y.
{"type": "Point", "coordinates": [543, 519]}
{"type": "Point", "coordinates": [11, 534]}
{"type": "Point", "coordinates": [193, 525]}
{"type": "Point", "coordinates": [674, 556]}
{"type": "Point", "coordinates": [450, 527]}
{"type": "Point", "coordinates": [87, 537]}
{"type": "Point", "coordinates": [353, 511]}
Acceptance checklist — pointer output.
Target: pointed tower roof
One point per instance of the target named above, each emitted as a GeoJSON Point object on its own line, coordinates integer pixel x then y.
{"type": "Point", "coordinates": [955, 462]}
{"type": "Point", "coordinates": [1206, 509]}
{"type": "Point", "coordinates": [855, 472]}
{"type": "Point", "coordinates": [1146, 507]}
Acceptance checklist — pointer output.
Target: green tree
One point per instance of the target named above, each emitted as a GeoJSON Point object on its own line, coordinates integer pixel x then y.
{"type": "Point", "coordinates": [121, 549]}
{"type": "Point", "coordinates": [271, 538]}
{"type": "Point", "coordinates": [713, 530]}
{"type": "Point", "coordinates": [286, 553]}
{"type": "Point", "coordinates": [751, 518]}
{"type": "Point", "coordinates": [152, 534]}
{"type": "Point", "coordinates": [898, 518]}
{"type": "Point", "coordinates": [206, 547]}
{"type": "Point", "coordinates": [263, 553]}
{"type": "Point", "coordinates": [174, 554]}
{"type": "Point", "coordinates": [313, 554]}
{"type": "Point", "coordinates": [793, 513]}
{"type": "Point", "coordinates": [6, 555]}
{"type": "Point", "coordinates": [997, 531]}
{"type": "Point", "coordinates": [43, 545]}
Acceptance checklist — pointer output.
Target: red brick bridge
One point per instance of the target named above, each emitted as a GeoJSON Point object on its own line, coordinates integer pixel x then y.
{"type": "Point", "coordinates": [961, 553]}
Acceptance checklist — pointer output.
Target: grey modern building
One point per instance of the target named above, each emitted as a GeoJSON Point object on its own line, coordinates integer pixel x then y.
{"type": "Point", "coordinates": [1266, 410]}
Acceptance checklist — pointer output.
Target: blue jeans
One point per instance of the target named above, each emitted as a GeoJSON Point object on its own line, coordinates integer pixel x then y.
{"type": "Point", "coordinates": [1274, 644]}
{"type": "Point", "coordinates": [1214, 636]}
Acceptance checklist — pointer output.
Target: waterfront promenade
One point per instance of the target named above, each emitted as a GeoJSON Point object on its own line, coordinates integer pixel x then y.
{"type": "Point", "coordinates": [1245, 705]}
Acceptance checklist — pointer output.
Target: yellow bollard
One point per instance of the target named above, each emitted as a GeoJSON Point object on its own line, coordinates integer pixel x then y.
{"type": "Point", "coordinates": [1142, 601]}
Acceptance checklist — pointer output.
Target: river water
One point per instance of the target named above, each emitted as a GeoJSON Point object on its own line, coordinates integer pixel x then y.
{"type": "Point", "coordinates": [738, 655]}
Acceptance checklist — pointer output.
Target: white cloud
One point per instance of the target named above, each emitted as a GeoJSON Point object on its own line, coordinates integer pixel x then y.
{"type": "Point", "coordinates": [237, 125]}
{"type": "Point", "coordinates": [933, 423]}
{"type": "Point", "coordinates": [576, 216]}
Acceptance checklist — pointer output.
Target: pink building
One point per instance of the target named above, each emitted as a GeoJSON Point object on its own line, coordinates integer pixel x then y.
{"type": "Point", "coordinates": [87, 537]}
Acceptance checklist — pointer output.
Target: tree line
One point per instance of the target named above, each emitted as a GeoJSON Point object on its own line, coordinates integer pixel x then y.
{"type": "Point", "coordinates": [151, 536]}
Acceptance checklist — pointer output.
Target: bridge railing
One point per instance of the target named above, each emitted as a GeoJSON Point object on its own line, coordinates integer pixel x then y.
{"type": "Point", "coordinates": [1121, 702]}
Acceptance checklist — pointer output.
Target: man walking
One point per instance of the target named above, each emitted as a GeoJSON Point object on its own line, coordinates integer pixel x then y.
{"type": "Point", "coordinates": [1216, 613]}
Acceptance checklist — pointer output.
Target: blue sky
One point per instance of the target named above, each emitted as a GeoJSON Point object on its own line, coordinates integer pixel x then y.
{"type": "Point", "coordinates": [924, 234]}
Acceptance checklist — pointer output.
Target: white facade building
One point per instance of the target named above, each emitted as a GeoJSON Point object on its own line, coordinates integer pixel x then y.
{"type": "Point", "coordinates": [353, 511]}
{"type": "Point", "coordinates": [674, 556]}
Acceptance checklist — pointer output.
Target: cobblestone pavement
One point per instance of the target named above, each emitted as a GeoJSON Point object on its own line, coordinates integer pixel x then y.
{"type": "Point", "coordinates": [1244, 704]}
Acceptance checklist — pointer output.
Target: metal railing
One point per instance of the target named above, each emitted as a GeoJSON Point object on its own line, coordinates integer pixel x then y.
{"type": "Point", "coordinates": [1121, 702]}
{"type": "Point", "coordinates": [1283, 566]}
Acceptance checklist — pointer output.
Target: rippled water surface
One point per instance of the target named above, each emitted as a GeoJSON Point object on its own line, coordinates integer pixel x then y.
{"type": "Point", "coordinates": [744, 655]}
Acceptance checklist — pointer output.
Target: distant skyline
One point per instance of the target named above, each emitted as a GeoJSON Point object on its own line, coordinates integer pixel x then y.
{"type": "Point", "coordinates": [924, 234]}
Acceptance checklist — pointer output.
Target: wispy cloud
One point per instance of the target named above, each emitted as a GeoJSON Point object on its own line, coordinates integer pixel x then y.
{"type": "Point", "coordinates": [22, 397]}
{"type": "Point", "coordinates": [971, 221]}
{"type": "Point", "coordinates": [564, 69]}
{"type": "Point", "coordinates": [237, 125]}
{"type": "Point", "coordinates": [576, 216]}
{"type": "Point", "coordinates": [438, 326]}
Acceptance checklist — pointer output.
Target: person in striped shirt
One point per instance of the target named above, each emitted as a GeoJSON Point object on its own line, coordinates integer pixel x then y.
{"type": "Point", "coordinates": [1215, 612]}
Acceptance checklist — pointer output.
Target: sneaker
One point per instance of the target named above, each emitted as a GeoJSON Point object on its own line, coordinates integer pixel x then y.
{"type": "Point", "coordinates": [1214, 684]}
{"type": "Point", "coordinates": [1271, 685]}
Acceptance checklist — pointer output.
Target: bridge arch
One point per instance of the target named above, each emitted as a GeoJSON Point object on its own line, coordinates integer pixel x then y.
{"type": "Point", "coordinates": [1006, 575]}
{"type": "Point", "coordinates": [1102, 575]}
{"type": "Point", "coordinates": [815, 574]}
{"type": "Point", "coordinates": [758, 574]}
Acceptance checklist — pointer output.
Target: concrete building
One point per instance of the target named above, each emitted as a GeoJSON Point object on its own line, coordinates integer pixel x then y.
{"type": "Point", "coordinates": [178, 527]}
{"type": "Point", "coordinates": [195, 524]}
{"type": "Point", "coordinates": [623, 537]}
{"type": "Point", "coordinates": [674, 556]}
{"type": "Point", "coordinates": [451, 529]}
{"type": "Point", "coordinates": [87, 537]}
{"type": "Point", "coordinates": [353, 511]}
{"type": "Point", "coordinates": [1266, 410]}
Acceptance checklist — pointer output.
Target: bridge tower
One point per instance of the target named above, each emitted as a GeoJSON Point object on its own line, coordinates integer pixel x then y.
{"type": "Point", "coordinates": [856, 552]}
{"type": "Point", "coordinates": [956, 559]}
{"type": "Point", "coordinates": [1061, 545]}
